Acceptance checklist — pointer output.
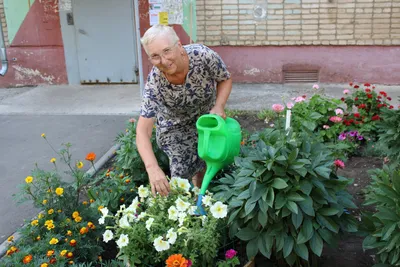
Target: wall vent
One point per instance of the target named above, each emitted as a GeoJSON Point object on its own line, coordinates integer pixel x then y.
{"type": "Point", "coordinates": [300, 76]}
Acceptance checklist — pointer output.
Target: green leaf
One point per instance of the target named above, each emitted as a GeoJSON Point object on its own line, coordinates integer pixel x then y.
{"type": "Point", "coordinates": [309, 125]}
{"type": "Point", "coordinates": [252, 248]}
{"type": "Point", "coordinates": [280, 241]}
{"type": "Point", "coordinates": [328, 211]}
{"type": "Point", "coordinates": [233, 215]}
{"type": "Point", "coordinates": [293, 155]}
{"type": "Point", "coordinates": [389, 191]}
{"type": "Point", "coordinates": [328, 223]}
{"type": "Point", "coordinates": [270, 197]}
{"type": "Point", "coordinates": [279, 183]}
{"type": "Point", "coordinates": [244, 195]}
{"type": "Point", "coordinates": [292, 207]}
{"type": "Point", "coordinates": [323, 171]}
{"type": "Point", "coordinates": [288, 246]}
{"type": "Point", "coordinates": [307, 206]}
{"type": "Point", "coordinates": [370, 242]}
{"type": "Point", "coordinates": [247, 234]}
{"type": "Point", "coordinates": [396, 181]}
{"type": "Point", "coordinates": [248, 207]}
{"type": "Point", "coordinates": [235, 203]}
{"type": "Point", "coordinates": [297, 219]}
{"type": "Point", "coordinates": [293, 196]}
{"type": "Point", "coordinates": [302, 251]}
{"type": "Point", "coordinates": [262, 219]}
{"type": "Point", "coordinates": [306, 232]}
{"type": "Point", "coordinates": [305, 187]}
{"type": "Point", "coordinates": [316, 244]}
{"type": "Point", "coordinates": [326, 235]}
{"type": "Point", "coordinates": [265, 245]}
{"type": "Point", "coordinates": [280, 201]}
{"type": "Point", "coordinates": [315, 116]}
{"type": "Point", "coordinates": [242, 181]}
{"type": "Point", "coordinates": [387, 233]}
{"type": "Point", "coordinates": [261, 188]}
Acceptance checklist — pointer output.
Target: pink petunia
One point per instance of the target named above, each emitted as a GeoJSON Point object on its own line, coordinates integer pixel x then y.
{"type": "Point", "coordinates": [278, 108]}
{"type": "Point", "coordinates": [299, 99]}
{"type": "Point", "coordinates": [335, 119]}
{"type": "Point", "coordinates": [338, 163]}
{"type": "Point", "coordinates": [289, 105]}
{"type": "Point", "coordinates": [326, 127]}
{"type": "Point", "coordinates": [346, 91]}
{"type": "Point", "coordinates": [339, 111]}
{"type": "Point", "coordinates": [230, 254]}
{"type": "Point", "coordinates": [315, 86]}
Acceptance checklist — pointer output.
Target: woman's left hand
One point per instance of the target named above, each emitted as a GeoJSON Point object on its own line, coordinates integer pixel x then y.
{"type": "Point", "coordinates": [218, 110]}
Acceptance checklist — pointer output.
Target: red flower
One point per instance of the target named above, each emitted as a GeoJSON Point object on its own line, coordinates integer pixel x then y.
{"type": "Point", "coordinates": [375, 118]}
{"type": "Point", "coordinates": [351, 120]}
{"type": "Point", "coordinates": [362, 106]}
{"type": "Point", "coordinates": [383, 93]}
{"type": "Point", "coordinates": [391, 107]}
{"type": "Point", "coordinates": [304, 96]}
{"type": "Point", "coordinates": [368, 90]}
{"type": "Point", "coordinates": [351, 84]}
{"type": "Point", "coordinates": [356, 99]}
{"type": "Point", "coordinates": [356, 86]}
{"type": "Point", "coordinates": [369, 95]}
{"type": "Point", "coordinates": [379, 97]}
{"type": "Point", "coordinates": [342, 99]}
{"type": "Point", "coordinates": [91, 156]}
{"type": "Point", "coordinates": [338, 163]}
{"type": "Point", "coordinates": [367, 84]}
{"type": "Point", "coordinates": [379, 105]}
{"type": "Point", "coordinates": [389, 98]}
{"type": "Point", "coordinates": [357, 115]}
{"type": "Point", "coordinates": [373, 87]}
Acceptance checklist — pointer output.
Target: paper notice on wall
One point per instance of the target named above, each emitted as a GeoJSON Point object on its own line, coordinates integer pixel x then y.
{"type": "Point", "coordinates": [65, 5]}
{"type": "Point", "coordinates": [165, 12]}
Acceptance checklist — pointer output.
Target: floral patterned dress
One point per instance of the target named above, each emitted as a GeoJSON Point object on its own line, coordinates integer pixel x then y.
{"type": "Point", "coordinates": [177, 107]}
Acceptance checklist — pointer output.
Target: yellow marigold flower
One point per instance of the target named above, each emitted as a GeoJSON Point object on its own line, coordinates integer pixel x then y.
{"type": "Point", "coordinates": [8, 253]}
{"type": "Point", "coordinates": [45, 264]}
{"type": "Point", "coordinates": [59, 191]}
{"type": "Point", "coordinates": [70, 255]}
{"type": "Point", "coordinates": [69, 233]}
{"type": "Point", "coordinates": [43, 135]}
{"type": "Point", "coordinates": [35, 222]}
{"type": "Point", "coordinates": [68, 220]}
{"type": "Point", "coordinates": [28, 179]}
{"type": "Point", "coordinates": [83, 230]}
{"type": "Point", "coordinates": [48, 222]}
{"type": "Point", "coordinates": [50, 211]}
{"type": "Point", "coordinates": [100, 207]}
{"type": "Point", "coordinates": [13, 249]}
{"type": "Point", "coordinates": [91, 225]}
{"type": "Point", "coordinates": [79, 164]}
{"type": "Point", "coordinates": [38, 238]}
{"type": "Point", "coordinates": [44, 201]}
{"type": "Point", "coordinates": [49, 190]}
{"type": "Point", "coordinates": [84, 202]}
{"type": "Point", "coordinates": [91, 200]}
{"type": "Point", "coordinates": [40, 216]}
{"type": "Point", "coordinates": [50, 253]}
{"type": "Point", "coordinates": [63, 252]}
{"type": "Point", "coordinates": [53, 160]}
{"type": "Point", "coordinates": [75, 214]}
{"type": "Point", "coordinates": [50, 226]}
{"type": "Point", "coordinates": [71, 262]}
{"type": "Point", "coordinates": [53, 241]}
{"type": "Point", "coordinates": [72, 243]}
{"type": "Point", "coordinates": [59, 211]}
{"type": "Point", "coordinates": [78, 219]}
{"type": "Point", "coordinates": [10, 239]}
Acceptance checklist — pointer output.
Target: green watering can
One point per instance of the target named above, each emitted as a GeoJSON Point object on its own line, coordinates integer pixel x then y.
{"type": "Point", "coordinates": [218, 145]}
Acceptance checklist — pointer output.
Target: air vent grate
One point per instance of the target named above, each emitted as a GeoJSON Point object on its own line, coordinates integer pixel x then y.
{"type": "Point", "coordinates": [300, 76]}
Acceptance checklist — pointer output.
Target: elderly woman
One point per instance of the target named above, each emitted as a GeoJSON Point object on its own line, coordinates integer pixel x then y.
{"type": "Point", "coordinates": [184, 83]}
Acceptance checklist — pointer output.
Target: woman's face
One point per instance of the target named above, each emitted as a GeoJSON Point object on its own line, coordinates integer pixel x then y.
{"type": "Point", "coordinates": [165, 55]}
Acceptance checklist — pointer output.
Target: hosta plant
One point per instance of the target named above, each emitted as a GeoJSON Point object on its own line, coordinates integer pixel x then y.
{"type": "Point", "coordinates": [383, 225]}
{"type": "Point", "coordinates": [151, 229]}
{"type": "Point", "coordinates": [285, 198]}
{"type": "Point", "coordinates": [389, 134]}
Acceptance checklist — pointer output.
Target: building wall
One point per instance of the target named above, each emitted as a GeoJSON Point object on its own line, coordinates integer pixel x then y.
{"type": "Point", "coordinates": [345, 40]}
{"type": "Point", "coordinates": [34, 43]}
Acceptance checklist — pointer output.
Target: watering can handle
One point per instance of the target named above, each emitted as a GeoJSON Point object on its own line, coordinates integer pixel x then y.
{"type": "Point", "coordinates": [206, 139]}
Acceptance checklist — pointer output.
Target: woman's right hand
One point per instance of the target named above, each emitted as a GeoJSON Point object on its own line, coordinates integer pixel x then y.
{"type": "Point", "coordinates": [158, 181]}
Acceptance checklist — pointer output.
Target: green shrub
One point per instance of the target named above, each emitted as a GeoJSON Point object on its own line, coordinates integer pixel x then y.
{"type": "Point", "coordinates": [285, 198]}
{"type": "Point", "coordinates": [389, 133]}
{"type": "Point", "coordinates": [383, 226]}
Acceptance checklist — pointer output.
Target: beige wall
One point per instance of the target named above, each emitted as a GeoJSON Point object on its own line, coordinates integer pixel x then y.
{"type": "Point", "coordinates": [298, 22]}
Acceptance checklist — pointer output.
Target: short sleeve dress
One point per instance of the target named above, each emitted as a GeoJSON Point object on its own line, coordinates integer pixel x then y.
{"type": "Point", "coordinates": [177, 107]}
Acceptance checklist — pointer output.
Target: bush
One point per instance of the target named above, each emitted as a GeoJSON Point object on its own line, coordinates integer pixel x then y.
{"type": "Point", "coordinates": [389, 133]}
{"type": "Point", "coordinates": [383, 226]}
{"type": "Point", "coordinates": [285, 198]}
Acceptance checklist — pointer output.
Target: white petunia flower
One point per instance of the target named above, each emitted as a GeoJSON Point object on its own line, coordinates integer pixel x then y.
{"type": "Point", "coordinates": [151, 201]}
{"type": "Point", "coordinates": [122, 241]}
{"type": "Point", "coordinates": [181, 218]}
{"type": "Point", "coordinates": [192, 210]}
{"type": "Point", "coordinates": [104, 211]}
{"type": "Point", "coordinates": [131, 217]}
{"type": "Point", "coordinates": [181, 205]}
{"type": "Point", "coordinates": [149, 222]}
{"type": "Point", "coordinates": [133, 206]}
{"type": "Point", "coordinates": [123, 222]}
{"type": "Point", "coordinates": [207, 201]}
{"type": "Point", "coordinates": [143, 191]}
{"type": "Point", "coordinates": [196, 190]}
{"type": "Point", "coordinates": [160, 244]}
{"type": "Point", "coordinates": [174, 182]}
{"type": "Point", "coordinates": [101, 220]}
{"type": "Point", "coordinates": [219, 210]}
{"type": "Point", "coordinates": [184, 184]}
{"type": "Point", "coordinates": [172, 213]}
{"type": "Point", "coordinates": [172, 236]}
{"type": "Point", "coordinates": [107, 236]}
{"type": "Point", "coordinates": [142, 215]}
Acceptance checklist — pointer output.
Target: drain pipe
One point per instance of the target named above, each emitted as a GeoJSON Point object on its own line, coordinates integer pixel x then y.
{"type": "Point", "coordinates": [139, 47]}
{"type": "Point", "coordinates": [3, 54]}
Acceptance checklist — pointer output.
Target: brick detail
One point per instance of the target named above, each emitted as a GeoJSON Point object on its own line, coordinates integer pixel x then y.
{"type": "Point", "coordinates": [298, 22]}
{"type": "Point", "coordinates": [4, 23]}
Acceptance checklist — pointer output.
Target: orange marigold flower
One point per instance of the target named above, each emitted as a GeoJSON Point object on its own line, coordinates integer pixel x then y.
{"type": "Point", "coordinates": [69, 233]}
{"type": "Point", "coordinates": [38, 238]}
{"type": "Point", "coordinates": [78, 219]}
{"type": "Point", "coordinates": [70, 255]}
{"type": "Point", "coordinates": [50, 253]}
{"type": "Point", "coordinates": [176, 260]}
{"type": "Point", "coordinates": [63, 252]}
{"type": "Point", "coordinates": [72, 243]}
{"type": "Point", "coordinates": [127, 181]}
{"type": "Point", "coordinates": [10, 238]}
{"type": "Point", "coordinates": [91, 156]}
{"type": "Point", "coordinates": [45, 264]}
{"type": "Point", "coordinates": [53, 260]}
{"type": "Point", "coordinates": [91, 200]}
{"type": "Point", "coordinates": [53, 241]}
{"type": "Point", "coordinates": [71, 262]}
{"type": "Point", "coordinates": [9, 252]}
{"type": "Point", "coordinates": [27, 259]}
{"type": "Point", "coordinates": [84, 202]}
{"type": "Point", "coordinates": [14, 249]}
{"type": "Point", "coordinates": [100, 207]}
{"type": "Point", "coordinates": [83, 230]}
{"type": "Point", "coordinates": [75, 214]}
{"type": "Point", "coordinates": [91, 225]}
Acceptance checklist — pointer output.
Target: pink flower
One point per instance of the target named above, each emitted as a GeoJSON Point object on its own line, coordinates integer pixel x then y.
{"type": "Point", "coordinates": [315, 86]}
{"type": "Point", "coordinates": [335, 119]}
{"type": "Point", "coordinates": [132, 120]}
{"type": "Point", "coordinates": [338, 163]}
{"type": "Point", "coordinates": [289, 105]}
{"type": "Point", "coordinates": [230, 254]}
{"type": "Point", "coordinates": [339, 111]}
{"type": "Point", "coordinates": [278, 108]}
{"type": "Point", "coordinates": [346, 91]}
{"type": "Point", "coordinates": [299, 99]}
{"type": "Point", "coordinates": [326, 127]}
{"type": "Point", "coordinates": [189, 263]}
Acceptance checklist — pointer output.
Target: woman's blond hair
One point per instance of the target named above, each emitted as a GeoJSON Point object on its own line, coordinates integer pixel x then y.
{"type": "Point", "coordinates": [155, 31]}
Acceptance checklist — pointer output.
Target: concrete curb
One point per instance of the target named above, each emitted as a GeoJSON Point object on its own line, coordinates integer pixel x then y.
{"type": "Point", "coordinates": [92, 171]}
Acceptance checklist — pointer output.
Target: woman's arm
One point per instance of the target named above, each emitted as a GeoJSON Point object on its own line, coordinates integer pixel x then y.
{"type": "Point", "coordinates": [224, 89]}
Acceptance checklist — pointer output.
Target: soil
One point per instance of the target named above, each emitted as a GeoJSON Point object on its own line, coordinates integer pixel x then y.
{"type": "Point", "coordinates": [349, 252]}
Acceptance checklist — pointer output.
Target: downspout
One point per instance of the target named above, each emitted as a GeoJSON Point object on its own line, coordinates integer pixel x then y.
{"type": "Point", "coordinates": [139, 46]}
{"type": "Point", "coordinates": [3, 54]}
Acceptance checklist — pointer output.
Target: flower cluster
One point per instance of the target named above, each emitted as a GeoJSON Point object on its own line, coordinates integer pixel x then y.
{"type": "Point", "coordinates": [166, 224]}
{"type": "Point", "coordinates": [350, 136]}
